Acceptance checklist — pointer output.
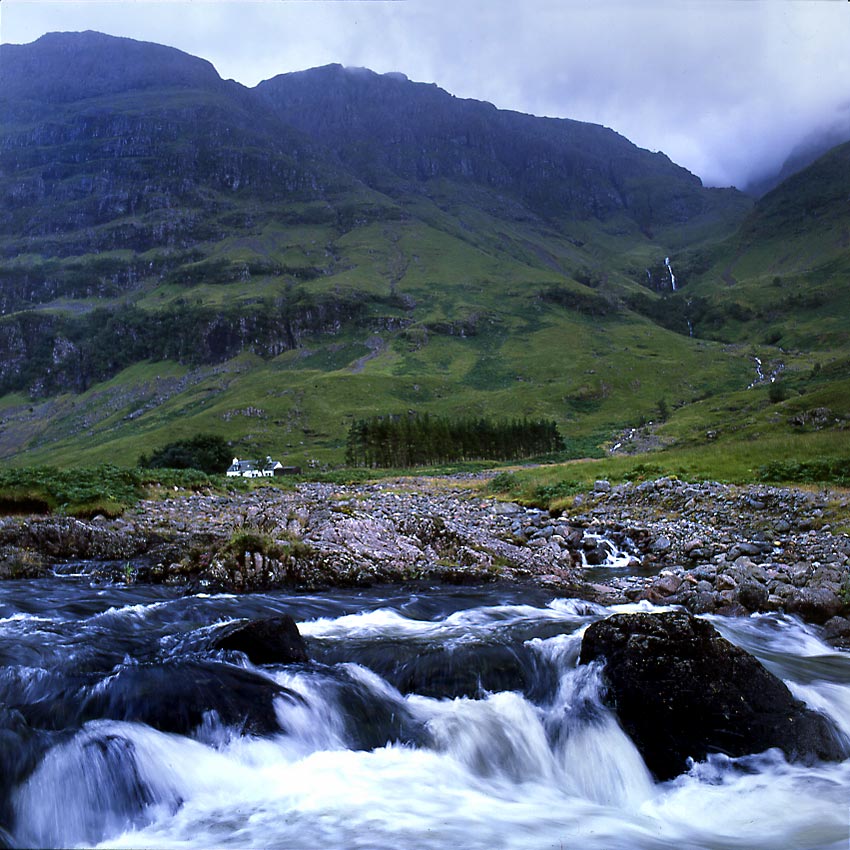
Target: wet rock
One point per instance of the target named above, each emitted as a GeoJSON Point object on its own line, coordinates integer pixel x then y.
{"type": "Point", "coordinates": [465, 670]}
{"type": "Point", "coordinates": [682, 691]}
{"type": "Point", "coordinates": [815, 604]}
{"type": "Point", "coordinates": [597, 551]}
{"type": "Point", "coordinates": [661, 544]}
{"type": "Point", "coordinates": [725, 581]}
{"type": "Point", "coordinates": [275, 640]}
{"type": "Point", "coordinates": [748, 549]}
{"type": "Point", "coordinates": [20, 750]}
{"type": "Point", "coordinates": [372, 718]}
{"type": "Point", "coordinates": [703, 602]}
{"type": "Point", "coordinates": [22, 563]}
{"type": "Point", "coordinates": [177, 697]}
{"type": "Point", "coordinates": [753, 596]}
{"type": "Point", "coordinates": [836, 631]}
{"type": "Point", "coordinates": [667, 584]}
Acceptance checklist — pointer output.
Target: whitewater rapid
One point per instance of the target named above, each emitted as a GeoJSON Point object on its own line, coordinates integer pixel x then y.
{"type": "Point", "coordinates": [367, 759]}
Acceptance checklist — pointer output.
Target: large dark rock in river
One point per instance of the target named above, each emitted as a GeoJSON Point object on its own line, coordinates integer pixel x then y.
{"type": "Point", "coordinates": [178, 697]}
{"type": "Point", "coordinates": [681, 690]}
{"type": "Point", "coordinates": [274, 640]}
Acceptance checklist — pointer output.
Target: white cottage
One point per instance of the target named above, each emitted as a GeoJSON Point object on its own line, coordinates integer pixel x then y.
{"type": "Point", "coordinates": [254, 469]}
{"type": "Point", "coordinates": [244, 469]}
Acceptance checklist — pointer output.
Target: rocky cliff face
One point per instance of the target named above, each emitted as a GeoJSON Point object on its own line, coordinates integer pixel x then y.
{"type": "Point", "coordinates": [43, 353]}
{"type": "Point", "coordinates": [386, 128]}
{"type": "Point", "coordinates": [147, 168]}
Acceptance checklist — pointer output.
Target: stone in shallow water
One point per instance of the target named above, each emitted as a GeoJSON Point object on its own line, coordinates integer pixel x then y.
{"type": "Point", "coordinates": [682, 691]}
{"type": "Point", "coordinates": [273, 640]}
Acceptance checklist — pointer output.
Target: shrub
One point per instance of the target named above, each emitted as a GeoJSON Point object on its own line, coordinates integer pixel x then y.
{"type": "Point", "coordinates": [504, 482]}
{"type": "Point", "coordinates": [777, 392]}
{"type": "Point", "coordinates": [826, 471]}
{"type": "Point", "coordinates": [547, 493]}
{"type": "Point", "coordinates": [87, 491]}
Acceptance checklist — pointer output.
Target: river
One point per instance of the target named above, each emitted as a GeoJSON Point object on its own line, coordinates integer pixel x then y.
{"type": "Point", "coordinates": [429, 717]}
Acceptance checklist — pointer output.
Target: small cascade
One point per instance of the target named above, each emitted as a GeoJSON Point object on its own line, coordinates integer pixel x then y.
{"type": "Point", "coordinates": [761, 377]}
{"type": "Point", "coordinates": [670, 270]}
{"type": "Point", "coordinates": [599, 551]}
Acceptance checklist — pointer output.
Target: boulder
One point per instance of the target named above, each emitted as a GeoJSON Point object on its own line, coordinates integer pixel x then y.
{"type": "Point", "coordinates": [815, 604]}
{"type": "Point", "coordinates": [704, 601]}
{"type": "Point", "coordinates": [682, 691]}
{"type": "Point", "coordinates": [667, 584]}
{"type": "Point", "coordinates": [661, 544]}
{"type": "Point", "coordinates": [597, 551]}
{"type": "Point", "coordinates": [177, 697]}
{"type": "Point", "coordinates": [753, 596]}
{"type": "Point", "coordinates": [21, 747]}
{"type": "Point", "coordinates": [273, 640]}
{"type": "Point", "coordinates": [836, 631]}
{"type": "Point", "coordinates": [442, 672]}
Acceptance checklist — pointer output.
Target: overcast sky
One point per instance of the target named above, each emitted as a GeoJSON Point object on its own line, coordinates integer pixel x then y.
{"type": "Point", "coordinates": [723, 87]}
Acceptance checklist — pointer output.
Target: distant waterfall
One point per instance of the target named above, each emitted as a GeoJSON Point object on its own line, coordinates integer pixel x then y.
{"type": "Point", "coordinates": [672, 276]}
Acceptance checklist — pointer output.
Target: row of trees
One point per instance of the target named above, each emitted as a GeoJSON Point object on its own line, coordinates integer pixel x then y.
{"type": "Point", "coordinates": [421, 439]}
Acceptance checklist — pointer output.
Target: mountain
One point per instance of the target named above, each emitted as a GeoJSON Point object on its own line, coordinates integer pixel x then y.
{"type": "Point", "coordinates": [180, 253]}
{"type": "Point", "coordinates": [399, 136]}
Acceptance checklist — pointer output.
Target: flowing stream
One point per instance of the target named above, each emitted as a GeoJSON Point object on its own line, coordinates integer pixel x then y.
{"type": "Point", "coordinates": [428, 718]}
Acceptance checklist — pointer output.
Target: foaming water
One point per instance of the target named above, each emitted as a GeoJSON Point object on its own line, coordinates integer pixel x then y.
{"type": "Point", "coordinates": [432, 718]}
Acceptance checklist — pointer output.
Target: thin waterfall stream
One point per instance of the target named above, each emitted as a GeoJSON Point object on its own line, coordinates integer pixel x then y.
{"type": "Point", "coordinates": [427, 717]}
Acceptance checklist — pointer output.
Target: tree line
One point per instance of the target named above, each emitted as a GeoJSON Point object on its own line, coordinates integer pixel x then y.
{"type": "Point", "coordinates": [421, 439]}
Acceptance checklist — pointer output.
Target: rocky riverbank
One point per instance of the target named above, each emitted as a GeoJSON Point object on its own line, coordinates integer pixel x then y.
{"type": "Point", "coordinates": [706, 546]}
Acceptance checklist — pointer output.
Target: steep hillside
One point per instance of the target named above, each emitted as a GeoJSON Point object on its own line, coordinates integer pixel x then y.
{"type": "Point", "coordinates": [778, 291]}
{"type": "Point", "coordinates": [784, 278]}
{"type": "Point", "coordinates": [181, 254]}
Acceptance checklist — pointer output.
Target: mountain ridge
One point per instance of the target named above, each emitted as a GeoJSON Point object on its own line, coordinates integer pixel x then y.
{"type": "Point", "coordinates": [100, 63]}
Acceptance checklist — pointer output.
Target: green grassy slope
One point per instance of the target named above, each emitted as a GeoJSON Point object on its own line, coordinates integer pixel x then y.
{"type": "Point", "coordinates": [490, 330]}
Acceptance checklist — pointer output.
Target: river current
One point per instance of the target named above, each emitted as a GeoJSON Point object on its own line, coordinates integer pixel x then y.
{"type": "Point", "coordinates": [428, 717]}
